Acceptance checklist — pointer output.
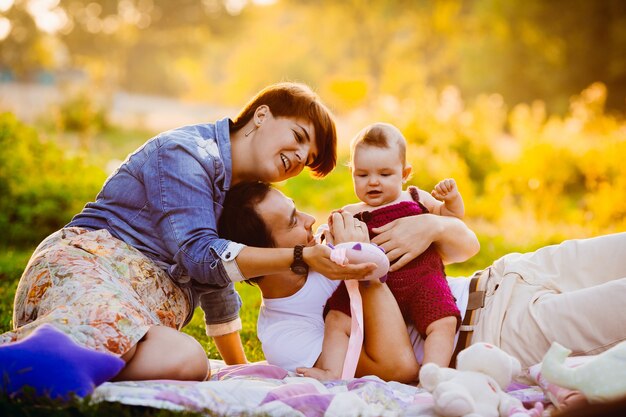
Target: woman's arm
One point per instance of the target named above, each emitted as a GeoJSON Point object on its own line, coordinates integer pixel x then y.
{"type": "Point", "coordinates": [406, 238]}
{"type": "Point", "coordinates": [254, 262]}
{"type": "Point", "coordinates": [343, 228]}
{"type": "Point", "coordinates": [185, 218]}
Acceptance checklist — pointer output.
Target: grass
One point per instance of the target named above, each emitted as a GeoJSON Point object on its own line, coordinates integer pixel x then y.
{"type": "Point", "coordinates": [31, 407]}
{"type": "Point", "coordinates": [12, 263]}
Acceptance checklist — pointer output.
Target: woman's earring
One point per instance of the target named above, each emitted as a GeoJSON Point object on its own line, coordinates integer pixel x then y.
{"type": "Point", "coordinates": [251, 130]}
{"type": "Point", "coordinates": [257, 124]}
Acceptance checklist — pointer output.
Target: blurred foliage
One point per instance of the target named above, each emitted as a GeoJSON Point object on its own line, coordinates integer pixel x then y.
{"type": "Point", "coordinates": [41, 185]}
{"type": "Point", "coordinates": [353, 52]}
{"type": "Point", "coordinates": [527, 177]}
{"type": "Point", "coordinates": [79, 113]}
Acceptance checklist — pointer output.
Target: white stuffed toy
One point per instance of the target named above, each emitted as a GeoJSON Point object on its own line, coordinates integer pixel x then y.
{"type": "Point", "coordinates": [475, 388]}
{"type": "Point", "coordinates": [601, 378]}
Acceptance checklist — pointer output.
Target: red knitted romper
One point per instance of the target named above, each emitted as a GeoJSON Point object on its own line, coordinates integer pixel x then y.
{"type": "Point", "coordinates": [420, 287]}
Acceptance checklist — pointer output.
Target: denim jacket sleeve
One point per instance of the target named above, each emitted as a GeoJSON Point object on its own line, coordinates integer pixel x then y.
{"type": "Point", "coordinates": [182, 182]}
{"type": "Point", "coordinates": [221, 311]}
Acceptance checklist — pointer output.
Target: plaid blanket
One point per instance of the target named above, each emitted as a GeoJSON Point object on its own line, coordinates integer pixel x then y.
{"type": "Point", "coordinates": [260, 389]}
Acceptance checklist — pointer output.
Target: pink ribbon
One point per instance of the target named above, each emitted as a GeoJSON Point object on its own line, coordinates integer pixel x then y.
{"type": "Point", "coordinates": [356, 330]}
{"type": "Point", "coordinates": [338, 255]}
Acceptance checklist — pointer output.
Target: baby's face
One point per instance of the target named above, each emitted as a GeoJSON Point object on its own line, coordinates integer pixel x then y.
{"type": "Point", "coordinates": [377, 174]}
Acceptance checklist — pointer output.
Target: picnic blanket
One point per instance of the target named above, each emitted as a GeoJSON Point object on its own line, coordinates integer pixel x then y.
{"type": "Point", "coordinates": [261, 389]}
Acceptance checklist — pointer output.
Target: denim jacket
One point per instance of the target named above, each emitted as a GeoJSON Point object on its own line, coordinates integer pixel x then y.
{"type": "Point", "coordinates": [165, 200]}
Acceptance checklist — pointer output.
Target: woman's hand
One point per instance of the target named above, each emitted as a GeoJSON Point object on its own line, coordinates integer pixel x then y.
{"type": "Point", "coordinates": [406, 238]}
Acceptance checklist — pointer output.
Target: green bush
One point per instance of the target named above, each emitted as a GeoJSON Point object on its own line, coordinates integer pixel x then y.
{"type": "Point", "coordinates": [79, 113]}
{"type": "Point", "coordinates": [41, 185]}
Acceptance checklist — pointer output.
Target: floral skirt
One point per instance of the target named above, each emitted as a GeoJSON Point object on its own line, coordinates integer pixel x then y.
{"type": "Point", "coordinates": [100, 291]}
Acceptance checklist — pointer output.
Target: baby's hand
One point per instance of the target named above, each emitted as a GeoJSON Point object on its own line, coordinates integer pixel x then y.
{"type": "Point", "coordinates": [330, 217]}
{"type": "Point", "coordinates": [445, 190]}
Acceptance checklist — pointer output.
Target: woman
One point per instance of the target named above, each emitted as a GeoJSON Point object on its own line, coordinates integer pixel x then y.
{"type": "Point", "coordinates": [572, 293]}
{"type": "Point", "coordinates": [131, 267]}
{"type": "Point", "coordinates": [291, 324]}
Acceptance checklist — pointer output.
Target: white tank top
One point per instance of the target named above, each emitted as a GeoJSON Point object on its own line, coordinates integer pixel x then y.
{"type": "Point", "coordinates": [291, 329]}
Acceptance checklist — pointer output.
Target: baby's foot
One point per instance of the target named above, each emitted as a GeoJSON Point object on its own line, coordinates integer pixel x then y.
{"type": "Point", "coordinates": [572, 401]}
{"type": "Point", "coordinates": [319, 374]}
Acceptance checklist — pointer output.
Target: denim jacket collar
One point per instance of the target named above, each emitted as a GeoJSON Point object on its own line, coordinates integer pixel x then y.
{"type": "Point", "coordinates": [222, 133]}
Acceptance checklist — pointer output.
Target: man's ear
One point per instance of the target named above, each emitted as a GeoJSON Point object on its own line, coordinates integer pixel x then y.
{"type": "Point", "coordinates": [406, 173]}
{"type": "Point", "coordinates": [261, 113]}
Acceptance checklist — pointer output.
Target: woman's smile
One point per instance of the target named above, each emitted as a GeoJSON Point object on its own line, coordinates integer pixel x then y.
{"type": "Point", "coordinates": [286, 162]}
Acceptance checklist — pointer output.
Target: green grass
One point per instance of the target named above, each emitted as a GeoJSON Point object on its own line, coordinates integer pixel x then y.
{"type": "Point", "coordinates": [36, 407]}
{"type": "Point", "coordinates": [12, 263]}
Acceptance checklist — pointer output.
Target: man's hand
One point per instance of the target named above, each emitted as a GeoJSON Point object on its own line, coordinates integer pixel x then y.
{"type": "Point", "coordinates": [406, 238]}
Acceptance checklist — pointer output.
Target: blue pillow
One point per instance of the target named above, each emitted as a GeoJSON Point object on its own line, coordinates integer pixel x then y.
{"type": "Point", "coordinates": [53, 365]}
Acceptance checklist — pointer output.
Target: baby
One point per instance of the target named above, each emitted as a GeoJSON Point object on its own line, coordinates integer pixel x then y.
{"type": "Point", "coordinates": [379, 170]}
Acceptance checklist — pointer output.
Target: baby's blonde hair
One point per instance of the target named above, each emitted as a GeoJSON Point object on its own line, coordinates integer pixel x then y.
{"type": "Point", "coordinates": [379, 135]}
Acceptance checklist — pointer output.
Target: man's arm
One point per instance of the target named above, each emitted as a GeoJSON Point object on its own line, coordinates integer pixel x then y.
{"type": "Point", "coordinates": [230, 348]}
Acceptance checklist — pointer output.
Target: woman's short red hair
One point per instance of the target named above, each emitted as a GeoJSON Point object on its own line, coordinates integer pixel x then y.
{"type": "Point", "coordinates": [297, 100]}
